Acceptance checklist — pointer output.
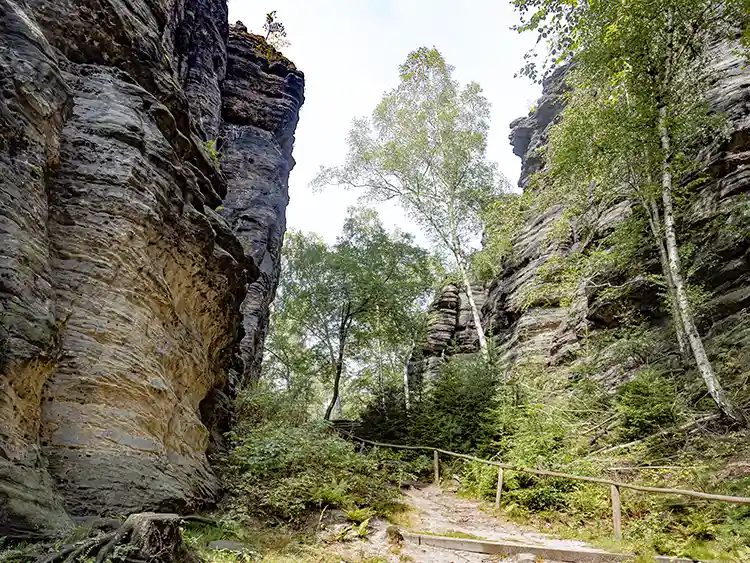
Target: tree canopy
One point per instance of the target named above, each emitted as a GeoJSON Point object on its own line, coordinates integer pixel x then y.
{"type": "Point", "coordinates": [341, 299]}
{"type": "Point", "coordinates": [425, 146]}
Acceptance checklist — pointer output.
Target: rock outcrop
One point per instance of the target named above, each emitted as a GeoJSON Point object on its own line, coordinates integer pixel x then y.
{"type": "Point", "coordinates": [121, 285]}
{"type": "Point", "coordinates": [450, 332]}
{"type": "Point", "coordinates": [716, 228]}
{"type": "Point", "coordinates": [261, 107]}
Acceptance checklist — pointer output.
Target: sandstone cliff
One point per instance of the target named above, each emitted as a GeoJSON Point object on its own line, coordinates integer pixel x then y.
{"type": "Point", "coordinates": [716, 230]}
{"type": "Point", "coordinates": [261, 106]}
{"type": "Point", "coordinates": [121, 283]}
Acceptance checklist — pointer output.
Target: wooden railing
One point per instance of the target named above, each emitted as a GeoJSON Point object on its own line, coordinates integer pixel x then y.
{"type": "Point", "coordinates": [614, 486]}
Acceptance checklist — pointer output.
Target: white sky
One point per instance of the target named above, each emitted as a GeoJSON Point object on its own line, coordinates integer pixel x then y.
{"type": "Point", "coordinates": [350, 51]}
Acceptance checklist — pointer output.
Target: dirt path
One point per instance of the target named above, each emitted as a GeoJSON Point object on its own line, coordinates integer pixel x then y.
{"type": "Point", "coordinates": [439, 511]}
{"type": "Point", "coordinates": [442, 512]}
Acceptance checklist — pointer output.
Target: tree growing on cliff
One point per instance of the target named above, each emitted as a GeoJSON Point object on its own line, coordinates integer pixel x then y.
{"type": "Point", "coordinates": [343, 297]}
{"type": "Point", "coordinates": [636, 118]}
{"type": "Point", "coordinates": [425, 147]}
{"type": "Point", "coordinates": [275, 31]}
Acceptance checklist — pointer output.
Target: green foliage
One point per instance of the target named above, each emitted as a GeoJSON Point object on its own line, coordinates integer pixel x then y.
{"type": "Point", "coordinates": [212, 151]}
{"type": "Point", "coordinates": [636, 120]}
{"type": "Point", "coordinates": [282, 473]}
{"type": "Point", "coordinates": [503, 220]}
{"type": "Point", "coordinates": [452, 414]}
{"type": "Point", "coordinates": [425, 146]}
{"type": "Point", "coordinates": [646, 404]}
{"type": "Point", "coordinates": [275, 31]}
{"type": "Point", "coordinates": [355, 302]}
{"type": "Point", "coordinates": [359, 515]}
{"type": "Point", "coordinates": [263, 544]}
{"type": "Point", "coordinates": [264, 402]}
{"type": "Point", "coordinates": [384, 418]}
{"type": "Point", "coordinates": [602, 266]}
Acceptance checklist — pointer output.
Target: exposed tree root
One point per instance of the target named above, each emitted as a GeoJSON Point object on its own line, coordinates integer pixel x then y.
{"type": "Point", "coordinates": [143, 537]}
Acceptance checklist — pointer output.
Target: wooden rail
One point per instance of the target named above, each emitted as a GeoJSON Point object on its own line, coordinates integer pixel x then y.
{"type": "Point", "coordinates": [615, 486]}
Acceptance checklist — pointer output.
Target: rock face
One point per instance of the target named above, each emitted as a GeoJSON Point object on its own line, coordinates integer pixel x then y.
{"type": "Point", "coordinates": [261, 107]}
{"type": "Point", "coordinates": [717, 228]}
{"type": "Point", "coordinates": [120, 285]}
{"type": "Point", "coordinates": [450, 331]}
{"type": "Point", "coordinates": [515, 332]}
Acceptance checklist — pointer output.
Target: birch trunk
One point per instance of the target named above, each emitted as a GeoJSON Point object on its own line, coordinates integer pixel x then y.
{"type": "Point", "coordinates": [463, 264]}
{"type": "Point", "coordinates": [683, 304]}
{"type": "Point", "coordinates": [654, 221]}
{"type": "Point", "coordinates": [475, 314]}
{"type": "Point", "coordinates": [407, 398]}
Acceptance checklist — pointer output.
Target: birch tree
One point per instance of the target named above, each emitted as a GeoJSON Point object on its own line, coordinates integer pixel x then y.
{"type": "Point", "coordinates": [636, 118]}
{"type": "Point", "coordinates": [425, 147]}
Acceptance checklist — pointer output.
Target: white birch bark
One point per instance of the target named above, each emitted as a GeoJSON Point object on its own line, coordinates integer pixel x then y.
{"type": "Point", "coordinates": [654, 221]}
{"type": "Point", "coordinates": [682, 302]}
{"type": "Point", "coordinates": [475, 315]}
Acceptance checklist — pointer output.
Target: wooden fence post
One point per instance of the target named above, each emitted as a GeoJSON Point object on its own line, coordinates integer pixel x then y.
{"type": "Point", "coordinates": [437, 467]}
{"type": "Point", "coordinates": [499, 487]}
{"type": "Point", "coordinates": [616, 512]}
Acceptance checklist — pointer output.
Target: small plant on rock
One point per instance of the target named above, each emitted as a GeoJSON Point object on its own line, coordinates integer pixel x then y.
{"type": "Point", "coordinates": [212, 151]}
{"type": "Point", "coordinates": [275, 31]}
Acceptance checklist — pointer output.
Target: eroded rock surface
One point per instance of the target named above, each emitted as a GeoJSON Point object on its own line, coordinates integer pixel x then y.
{"type": "Point", "coordinates": [716, 231]}
{"type": "Point", "coordinates": [121, 286]}
{"type": "Point", "coordinates": [261, 108]}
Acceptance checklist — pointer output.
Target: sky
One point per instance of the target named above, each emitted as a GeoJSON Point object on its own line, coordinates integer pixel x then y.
{"type": "Point", "coordinates": [350, 51]}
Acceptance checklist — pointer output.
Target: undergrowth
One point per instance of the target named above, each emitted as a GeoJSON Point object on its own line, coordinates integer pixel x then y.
{"type": "Point", "coordinates": [284, 469]}
{"type": "Point", "coordinates": [562, 431]}
{"type": "Point", "coordinates": [566, 419]}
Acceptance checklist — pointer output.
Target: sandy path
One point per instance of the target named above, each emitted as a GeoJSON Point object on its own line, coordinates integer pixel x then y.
{"type": "Point", "coordinates": [442, 512]}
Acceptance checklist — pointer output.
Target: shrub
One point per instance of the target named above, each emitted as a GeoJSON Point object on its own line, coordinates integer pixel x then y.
{"type": "Point", "coordinates": [646, 404]}
{"type": "Point", "coordinates": [262, 404]}
{"type": "Point", "coordinates": [454, 414]}
{"type": "Point", "coordinates": [212, 151]}
{"type": "Point", "coordinates": [384, 419]}
{"type": "Point", "coordinates": [281, 473]}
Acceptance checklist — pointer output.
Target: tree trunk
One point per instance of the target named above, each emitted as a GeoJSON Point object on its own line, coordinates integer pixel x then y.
{"type": "Point", "coordinates": [475, 314]}
{"type": "Point", "coordinates": [463, 264]}
{"type": "Point", "coordinates": [406, 379]}
{"type": "Point", "coordinates": [338, 408]}
{"type": "Point", "coordinates": [343, 332]}
{"type": "Point", "coordinates": [654, 221]}
{"type": "Point", "coordinates": [336, 384]}
{"type": "Point", "coordinates": [683, 304]}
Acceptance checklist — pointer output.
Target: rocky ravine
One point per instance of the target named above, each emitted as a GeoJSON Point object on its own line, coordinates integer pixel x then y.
{"type": "Point", "coordinates": [718, 228]}
{"type": "Point", "coordinates": [126, 250]}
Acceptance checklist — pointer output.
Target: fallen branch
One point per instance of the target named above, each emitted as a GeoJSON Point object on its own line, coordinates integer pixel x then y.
{"type": "Point", "coordinates": [685, 426]}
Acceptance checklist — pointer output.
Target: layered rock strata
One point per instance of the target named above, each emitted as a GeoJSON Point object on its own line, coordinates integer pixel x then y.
{"type": "Point", "coordinates": [261, 101]}
{"type": "Point", "coordinates": [717, 228]}
{"type": "Point", "coordinates": [120, 283]}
